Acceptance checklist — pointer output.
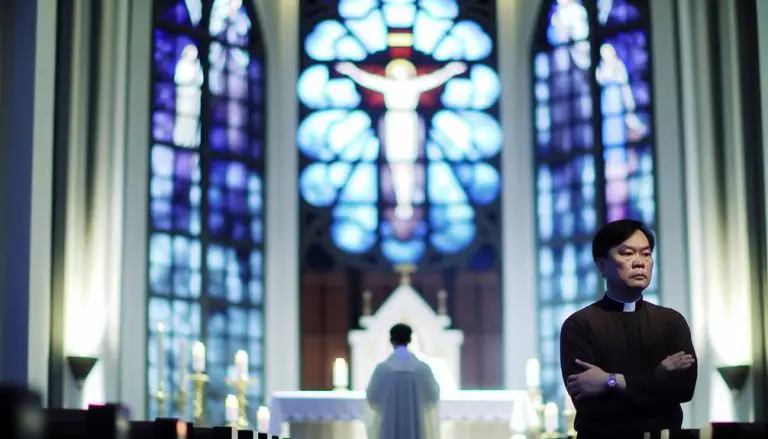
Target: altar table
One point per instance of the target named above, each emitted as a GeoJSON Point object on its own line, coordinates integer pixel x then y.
{"type": "Point", "coordinates": [339, 414]}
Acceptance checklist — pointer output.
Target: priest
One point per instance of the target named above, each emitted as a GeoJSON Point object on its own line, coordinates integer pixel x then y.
{"type": "Point", "coordinates": [403, 394]}
{"type": "Point", "coordinates": [627, 364]}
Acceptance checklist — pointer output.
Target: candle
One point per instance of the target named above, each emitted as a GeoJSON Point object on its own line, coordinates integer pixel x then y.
{"type": "Point", "coordinates": [568, 406]}
{"type": "Point", "coordinates": [262, 419]}
{"type": "Point", "coordinates": [665, 434]}
{"type": "Point", "coordinates": [340, 374]}
{"type": "Point", "coordinates": [160, 356]}
{"type": "Point", "coordinates": [533, 373]}
{"type": "Point", "coordinates": [550, 417]}
{"type": "Point", "coordinates": [183, 364]}
{"type": "Point", "coordinates": [241, 363]}
{"type": "Point", "coordinates": [198, 357]}
{"type": "Point", "coordinates": [232, 408]}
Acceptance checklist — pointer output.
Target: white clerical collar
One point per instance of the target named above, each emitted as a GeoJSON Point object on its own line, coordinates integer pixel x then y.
{"type": "Point", "coordinates": [628, 306]}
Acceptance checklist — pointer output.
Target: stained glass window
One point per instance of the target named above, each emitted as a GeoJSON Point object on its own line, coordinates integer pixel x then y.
{"type": "Point", "coordinates": [593, 148]}
{"type": "Point", "coordinates": [399, 132]}
{"type": "Point", "coordinates": [206, 197]}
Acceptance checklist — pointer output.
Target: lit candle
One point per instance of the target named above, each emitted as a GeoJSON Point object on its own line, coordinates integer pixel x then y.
{"type": "Point", "coordinates": [183, 363]}
{"type": "Point", "coordinates": [568, 406]}
{"type": "Point", "coordinates": [262, 419]}
{"type": "Point", "coordinates": [550, 417]}
{"type": "Point", "coordinates": [665, 434]}
{"type": "Point", "coordinates": [232, 408]}
{"type": "Point", "coordinates": [533, 373]}
{"type": "Point", "coordinates": [340, 374]}
{"type": "Point", "coordinates": [160, 354]}
{"type": "Point", "coordinates": [241, 363]}
{"type": "Point", "coordinates": [198, 357]}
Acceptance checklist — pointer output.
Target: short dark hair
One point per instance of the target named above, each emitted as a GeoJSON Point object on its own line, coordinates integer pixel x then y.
{"type": "Point", "coordinates": [616, 232]}
{"type": "Point", "coordinates": [400, 334]}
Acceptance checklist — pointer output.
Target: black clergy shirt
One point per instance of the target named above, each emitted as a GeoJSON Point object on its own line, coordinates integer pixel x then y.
{"type": "Point", "coordinates": [632, 343]}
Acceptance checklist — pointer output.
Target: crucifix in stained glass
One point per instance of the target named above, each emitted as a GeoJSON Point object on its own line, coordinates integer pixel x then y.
{"type": "Point", "coordinates": [399, 127]}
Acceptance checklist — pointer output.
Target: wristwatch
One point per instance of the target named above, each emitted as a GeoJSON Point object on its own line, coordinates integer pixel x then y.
{"type": "Point", "coordinates": [612, 382]}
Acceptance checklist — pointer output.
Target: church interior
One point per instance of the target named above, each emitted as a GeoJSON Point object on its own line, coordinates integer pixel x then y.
{"type": "Point", "coordinates": [186, 232]}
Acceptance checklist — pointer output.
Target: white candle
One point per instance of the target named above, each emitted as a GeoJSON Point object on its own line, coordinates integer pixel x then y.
{"type": "Point", "coordinates": [568, 406]}
{"type": "Point", "coordinates": [241, 363]}
{"type": "Point", "coordinates": [550, 417]}
{"type": "Point", "coordinates": [262, 419]}
{"type": "Point", "coordinates": [198, 357]}
{"type": "Point", "coordinates": [160, 355]}
{"type": "Point", "coordinates": [533, 373]}
{"type": "Point", "coordinates": [182, 363]}
{"type": "Point", "coordinates": [232, 408]}
{"type": "Point", "coordinates": [340, 374]}
{"type": "Point", "coordinates": [665, 434]}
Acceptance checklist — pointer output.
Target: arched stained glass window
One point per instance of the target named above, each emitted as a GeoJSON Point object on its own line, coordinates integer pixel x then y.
{"type": "Point", "coordinates": [399, 133]}
{"type": "Point", "coordinates": [594, 150]}
{"type": "Point", "coordinates": [206, 198]}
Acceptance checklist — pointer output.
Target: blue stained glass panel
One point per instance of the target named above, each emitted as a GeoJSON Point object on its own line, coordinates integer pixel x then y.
{"type": "Point", "coordinates": [206, 271]}
{"type": "Point", "coordinates": [175, 190]}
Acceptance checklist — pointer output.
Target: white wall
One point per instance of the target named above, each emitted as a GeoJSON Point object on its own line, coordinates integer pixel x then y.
{"type": "Point", "coordinates": [280, 22]}
{"type": "Point", "coordinates": [133, 337]}
{"type": "Point", "coordinates": [717, 241]}
{"type": "Point", "coordinates": [26, 150]}
{"type": "Point", "coordinates": [42, 198]}
{"type": "Point", "coordinates": [515, 24]}
{"type": "Point", "coordinates": [94, 201]}
{"type": "Point", "coordinates": [674, 285]}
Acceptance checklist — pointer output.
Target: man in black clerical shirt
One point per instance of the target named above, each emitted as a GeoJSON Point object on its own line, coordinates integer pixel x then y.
{"type": "Point", "coordinates": [628, 364]}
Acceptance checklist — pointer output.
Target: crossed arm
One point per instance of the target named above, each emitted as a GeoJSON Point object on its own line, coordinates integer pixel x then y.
{"type": "Point", "coordinates": [641, 389]}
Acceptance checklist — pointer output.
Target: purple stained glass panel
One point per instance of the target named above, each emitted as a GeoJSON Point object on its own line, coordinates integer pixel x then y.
{"type": "Point", "coordinates": [230, 22]}
{"type": "Point", "coordinates": [235, 202]}
{"type": "Point", "coordinates": [168, 49]}
{"type": "Point", "coordinates": [617, 12]}
{"type": "Point", "coordinates": [174, 190]}
{"type": "Point", "coordinates": [186, 13]}
{"type": "Point", "coordinates": [233, 190]}
{"type": "Point", "coordinates": [232, 140]}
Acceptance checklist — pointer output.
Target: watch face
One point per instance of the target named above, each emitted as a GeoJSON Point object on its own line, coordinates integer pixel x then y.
{"type": "Point", "coordinates": [611, 380]}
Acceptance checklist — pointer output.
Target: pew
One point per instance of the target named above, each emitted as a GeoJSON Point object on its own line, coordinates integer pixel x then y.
{"type": "Point", "coordinates": [22, 417]}
{"type": "Point", "coordinates": [734, 430]}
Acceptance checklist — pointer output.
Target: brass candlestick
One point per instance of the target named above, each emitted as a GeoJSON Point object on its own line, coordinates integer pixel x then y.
{"type": "Point", "coordinates": [570, 422]}
{"type": "Point", "coordinates": [181, 400]}
{"type": "Point", "coordinates": [160, 397]}
{"type": "Point", "coordinates": [241, 391]}
{"type": "Point", "coordinates": [198, 380]}
{"type": "Point", "coordinates": [534, 393]}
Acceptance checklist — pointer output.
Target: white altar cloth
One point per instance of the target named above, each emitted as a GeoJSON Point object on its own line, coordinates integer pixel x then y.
{"type": "Point", "coordinates": [328, 406]}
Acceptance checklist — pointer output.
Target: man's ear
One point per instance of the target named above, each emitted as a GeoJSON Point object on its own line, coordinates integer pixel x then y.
{"type": "Point", "coordinates": [600, 264]}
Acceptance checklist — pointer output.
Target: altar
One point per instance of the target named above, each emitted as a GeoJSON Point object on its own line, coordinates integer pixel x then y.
{"type": "Point", "coordinates": [340, 414]}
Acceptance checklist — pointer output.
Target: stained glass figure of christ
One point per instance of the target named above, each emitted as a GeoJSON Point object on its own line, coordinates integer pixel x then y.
{"type": "Point", "coordinates": [399, 130]}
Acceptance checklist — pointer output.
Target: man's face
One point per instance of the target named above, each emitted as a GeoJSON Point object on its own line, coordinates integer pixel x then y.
{"type": "Point", "coordinates": [629, 264]}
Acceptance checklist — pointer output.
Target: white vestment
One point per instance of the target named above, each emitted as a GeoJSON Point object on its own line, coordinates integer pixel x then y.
{"type": "Point", "coordinates": [403, 398]}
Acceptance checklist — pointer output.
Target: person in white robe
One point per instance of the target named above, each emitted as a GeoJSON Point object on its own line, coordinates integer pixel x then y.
{"type": "Point", "coordinates": [403, 395]}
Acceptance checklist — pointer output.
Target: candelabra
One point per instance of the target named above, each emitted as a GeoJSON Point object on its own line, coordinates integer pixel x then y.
{"type": "Point", "coordinates": [241, 384]}
{"type": "Point", "coordinates": [198, 380]}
